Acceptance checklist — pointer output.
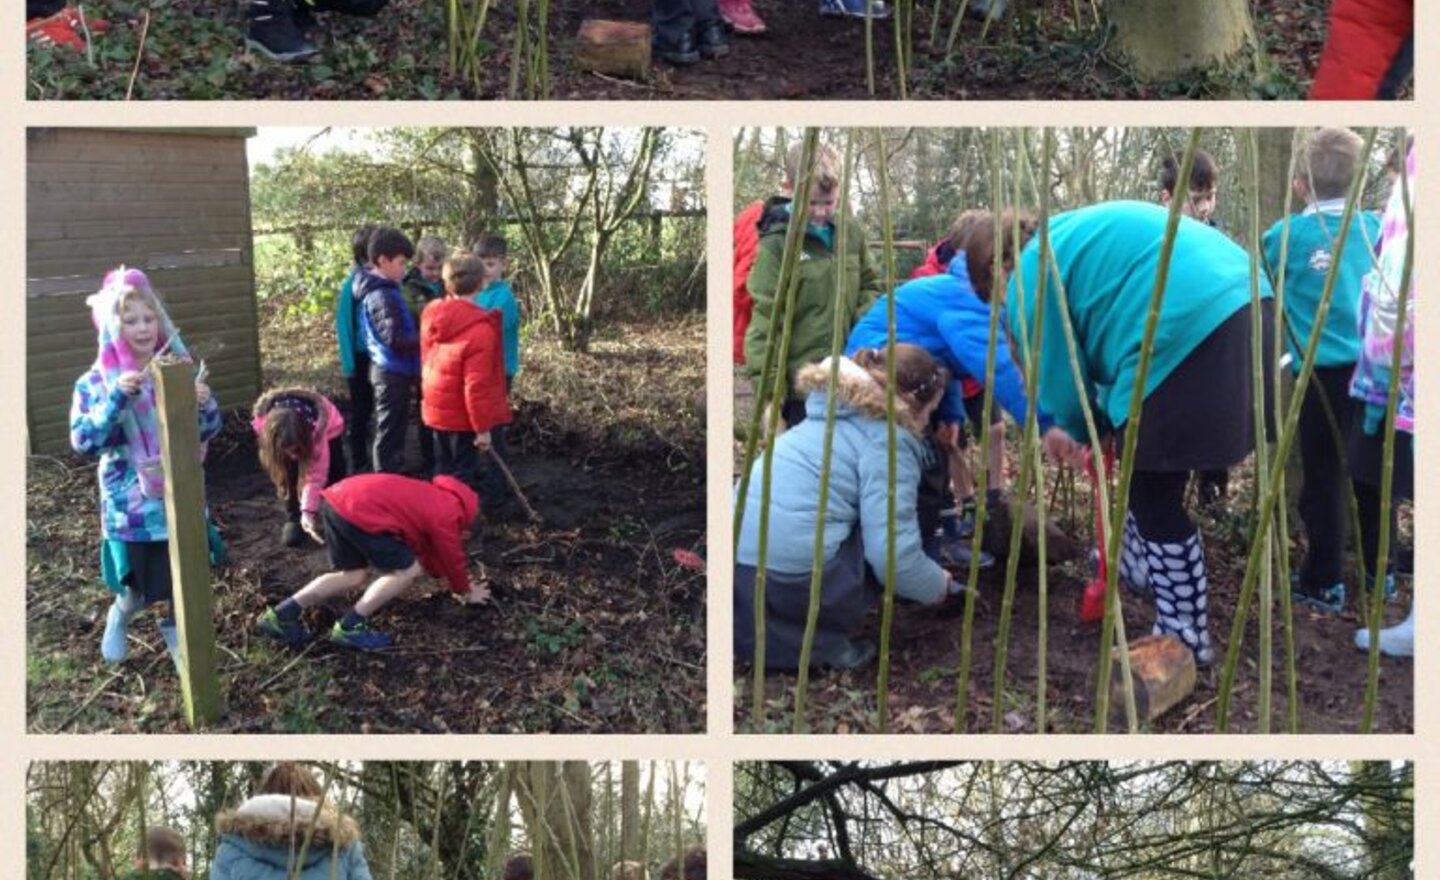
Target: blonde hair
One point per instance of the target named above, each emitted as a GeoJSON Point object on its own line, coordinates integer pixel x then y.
{"type": "Point", "coordinates": [825, 168]}
{"type": "Point", "coordinates": [919, 380]}
{"type": "Point", "coordinates": [431, 246]}
{"type": "Point", "coordinates": [463, 273]}
{"type": "Point", "coordinates": [628, 871]}
{"type": "Point", "coordinates": [1328, 161]}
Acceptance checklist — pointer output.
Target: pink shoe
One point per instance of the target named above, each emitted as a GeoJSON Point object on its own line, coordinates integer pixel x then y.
{"type": "Point", "coordinates": [740, 15]}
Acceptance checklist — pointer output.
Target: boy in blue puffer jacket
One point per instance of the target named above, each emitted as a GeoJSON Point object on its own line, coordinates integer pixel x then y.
{"type": "Point", "coordinates": [1198, 410]}
{"type": "Point", "coordinates": [947, 316]}
{"type": "Point", "coordinates": [354, 359]}
{"type": "Point", "coordinates": [392, 341]}
{"type": "Point", "coordinates": [1326, 166]}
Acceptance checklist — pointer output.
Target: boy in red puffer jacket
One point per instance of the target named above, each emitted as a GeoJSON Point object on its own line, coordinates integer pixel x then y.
{"type": "Point", "coordinates": [462, 358]}
{"type": "Point", "coordinates": [1370, 52]}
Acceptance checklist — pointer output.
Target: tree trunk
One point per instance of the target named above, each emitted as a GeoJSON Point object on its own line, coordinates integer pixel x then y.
{"type": "Point", "coordinates": [1166, 38]}
{"type": "Point", "coordinates": [555, 805]}
{"type": "Point", "coordinates": [1274, 158]}
{"type": "Point", "coordinates": [629, 811]}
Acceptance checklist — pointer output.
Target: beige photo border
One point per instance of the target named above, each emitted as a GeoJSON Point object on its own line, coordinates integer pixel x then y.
{"type": "Point", "coordinates": [719, 747]}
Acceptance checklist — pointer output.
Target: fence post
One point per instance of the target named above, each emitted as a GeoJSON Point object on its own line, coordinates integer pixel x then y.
{"type": "Point", "coordinates": [177, 408]}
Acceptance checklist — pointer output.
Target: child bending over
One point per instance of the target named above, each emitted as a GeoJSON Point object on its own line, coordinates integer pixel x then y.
{"type": "Point", "coordinates": [299, 438]}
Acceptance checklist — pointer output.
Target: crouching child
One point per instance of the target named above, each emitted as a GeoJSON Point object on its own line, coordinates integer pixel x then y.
{"type": "Point", "coordinates": [398, 526]}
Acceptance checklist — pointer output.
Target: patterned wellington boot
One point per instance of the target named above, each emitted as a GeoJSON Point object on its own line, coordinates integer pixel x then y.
{"type": "Point", "coordinates": [1134, 570]}
{"type": "Point", "coordinates": [1177, 576]}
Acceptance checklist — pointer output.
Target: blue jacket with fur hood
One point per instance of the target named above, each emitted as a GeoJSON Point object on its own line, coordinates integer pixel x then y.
{"type": "Point", "coordinates": [859, 485]}
{"type": "Point", "coordinates": [265, 839]}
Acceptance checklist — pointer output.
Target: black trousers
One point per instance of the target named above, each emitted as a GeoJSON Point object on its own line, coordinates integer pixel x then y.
{"type": "Point", "coordinates": [1157, 501]}
{"type": "Point", "coordinates": [362, 407]}
{"type": "Point", "coordinates": [456, 455]}
{"type": "Point", "coordinates": [1324, 488]}
{"type": "Point", "coordinates": [290, 500]}
{"type": "Point", "coordinates": [675, 20]}
{"type": "Point", "coordinates": [1400, 70]}
{"type": "Point", "coordinates": [392, 418]}
{"type": "Point", "coordinates": [427, 436]}
{"type": "Point", "coordinates": [1365, 453]}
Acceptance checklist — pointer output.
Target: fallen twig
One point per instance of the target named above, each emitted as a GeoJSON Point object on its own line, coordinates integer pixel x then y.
{"type": "Point", "coordinates": [139, 53]}
{"type": "Point", "coordinates": [75, 713]}
{"type": "Point", "coordinates": [287, 667]}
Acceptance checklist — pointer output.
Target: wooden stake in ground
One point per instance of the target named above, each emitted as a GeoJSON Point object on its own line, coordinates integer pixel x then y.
{"type": "Point", "coordinates": [189, 542]}
{"type": "Point", "coordinates": [514, 486]}
{"type": "Point", "coordinates": [617, 48]}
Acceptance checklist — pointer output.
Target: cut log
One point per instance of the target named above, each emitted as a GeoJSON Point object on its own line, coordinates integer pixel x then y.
{"type": "Point", "coordinates": [615, 48]}
{"type": "Point", "coordinates": [1163, 671]}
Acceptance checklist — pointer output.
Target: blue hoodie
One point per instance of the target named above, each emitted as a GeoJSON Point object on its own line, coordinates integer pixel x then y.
{"type": "Point", "coordinates": [942, 314]}
{"type": "Point", "coordinates": [1107, 256]}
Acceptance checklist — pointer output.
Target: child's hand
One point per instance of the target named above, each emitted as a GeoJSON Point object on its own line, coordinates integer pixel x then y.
{"type": "Point", "coordinates": [202, 393]}
{"type": "Point", "coordinates": [1060, 448]}
{"type": "Point", "coordinates": [307, 522]}
{"type": "Point", "coordinates": [479, 594]}
{"type": "Point", "coordinates": [482, 441]}
{"type": "Point", "coordinates": [130, 382]}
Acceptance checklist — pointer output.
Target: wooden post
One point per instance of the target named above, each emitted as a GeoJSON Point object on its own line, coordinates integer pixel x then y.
{"type": "Point", "coordinates": [177, 410]}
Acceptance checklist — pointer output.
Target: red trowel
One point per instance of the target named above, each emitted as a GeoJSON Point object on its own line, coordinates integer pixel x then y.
{"type": "Point", "coordinates": [1092, 601]}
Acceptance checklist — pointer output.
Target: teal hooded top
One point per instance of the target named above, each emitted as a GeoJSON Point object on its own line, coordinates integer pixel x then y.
{"type": "Point", "coordinates": [1107, 256]}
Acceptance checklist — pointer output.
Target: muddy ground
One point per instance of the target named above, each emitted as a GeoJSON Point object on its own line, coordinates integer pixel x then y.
{"type": "Point", "coordinates": [925, 652]}
{"type": "Point", "coordinates": [1038, 55]}
{"type": "Point", "coordinates": [594, 626]}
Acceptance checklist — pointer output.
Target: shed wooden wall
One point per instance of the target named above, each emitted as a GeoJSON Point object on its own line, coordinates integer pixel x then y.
{"type": "Point", "coordinates": [174, 203]}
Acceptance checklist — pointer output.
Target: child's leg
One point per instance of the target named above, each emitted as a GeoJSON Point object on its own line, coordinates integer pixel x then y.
{"type": "Point", "coordinates": [995, 478]}
{"type": "Point", "coordinates": [427, 436]}
{"type": "Point", "coordinates": [328, 586]}
{"type": "Point", "coordinates": [392, 419]}
{"type": "Point", "coordinates": [290, 533]}
{"type": "Point", "coordinates": [337, 461]}
{"type": "Point", "coordinates": [362, 407]}
{"type": "Point", "coordinates": [1323, 504]}
{"type": "Point", "coordinates": [1174, 558]}
{"type": "Point", "coordinates": [673, 24]}
{"type": "Point", "coordinates": [385, 588]}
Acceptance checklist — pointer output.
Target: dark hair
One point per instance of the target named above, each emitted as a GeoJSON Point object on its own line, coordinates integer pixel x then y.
{"type": "Point", "coordinates": [1202, 172]}
{"type": "Point", "coordinates": [519, 866]}
{"type": "Point", "coordinates": [694, 866]}
{"type": "Point", "coordinates": [163, 845]}
{"type": "Point", "coordinates": [285, 429]}
{"type": "Point", "coordinates": [491, 246]}
{"type": "Point", "coordinates": [387, 241]}
{"type": "Point", "coordinates": [974, 233]}
{"type": "Point", "coordinates": [290, 778]}
{"type": "Point", "coordinates": [918, 378]}
{"type": "Point", "coordinates": [1396, 159]}
{"type": "Point", "coordinates": [360, 243]}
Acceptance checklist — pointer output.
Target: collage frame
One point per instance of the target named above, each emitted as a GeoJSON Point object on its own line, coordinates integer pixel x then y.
{"type": "Point", "coordinates": [721, 745]}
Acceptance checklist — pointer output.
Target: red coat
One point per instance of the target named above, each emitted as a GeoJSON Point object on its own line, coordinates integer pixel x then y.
{"type": "Point", "coordinates": [1365, 37]}
{"type": "Point", "coordinates": [747, 244]}
{"type": "Point", "coordinates": [462, 367]}
{"type": "Point", "coordinates": [432, 519]}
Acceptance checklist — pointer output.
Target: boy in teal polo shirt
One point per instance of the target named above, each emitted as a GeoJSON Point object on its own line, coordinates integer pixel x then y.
{"type": "Point", "coordinates": [495, 293]}
{"type": "Point", "coordinates": [1326, 166]}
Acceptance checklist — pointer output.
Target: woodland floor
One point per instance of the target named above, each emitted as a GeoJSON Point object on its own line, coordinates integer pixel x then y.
{"type": "Point", "coordinates": [1037, 55]}
{"type": "Point", "coordinates": [925, 653]}
{"type": "Point", "coordinates": [594, 626]}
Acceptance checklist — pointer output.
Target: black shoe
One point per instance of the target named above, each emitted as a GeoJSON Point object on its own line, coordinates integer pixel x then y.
{"type": "Point", "coordinates": [682, 53]}
{"type": "Point", "coordinates": [273, 32]}
{"type": "Point", "coordinates": [713, 42]}
{"type": "Point", "coordinates": [856, 655]}
{"type": "Point", "coordinates": [292, 535]}
{"type": "Point", "coordinates": [364, 8]}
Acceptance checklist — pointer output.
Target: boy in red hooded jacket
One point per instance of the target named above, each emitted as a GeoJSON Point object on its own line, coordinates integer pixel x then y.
{"type": "Point", "coordinates": [399, 526]}
{"type": "Point", "coordinates": [462, 369]}
{"type": "Point", "coordinates": [1370, 51]}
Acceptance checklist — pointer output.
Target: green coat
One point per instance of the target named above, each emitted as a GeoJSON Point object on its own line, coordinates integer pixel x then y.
{"type": "Point", "coordinates": [155, 874]}
{"type": "Point", "coordinates": [815, 300]}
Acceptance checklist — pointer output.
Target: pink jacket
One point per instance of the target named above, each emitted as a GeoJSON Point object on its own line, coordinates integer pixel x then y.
{"type": "Point", "coordinates": [316, 468]}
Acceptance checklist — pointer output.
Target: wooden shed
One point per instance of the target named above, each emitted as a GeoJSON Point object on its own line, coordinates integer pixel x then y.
{"type": "Point", "coordinates": [173, 202]}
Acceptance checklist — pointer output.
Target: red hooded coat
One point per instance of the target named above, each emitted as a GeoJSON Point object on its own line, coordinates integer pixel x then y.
{"type": "Point", "coordinates": [431, 518]}
{"type": "Point", "coordinates": [747, 244]}
{"type": "Point", "coordinates": [1365, 37]}
{"type": "Point", "coordinates": [462, 367]}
